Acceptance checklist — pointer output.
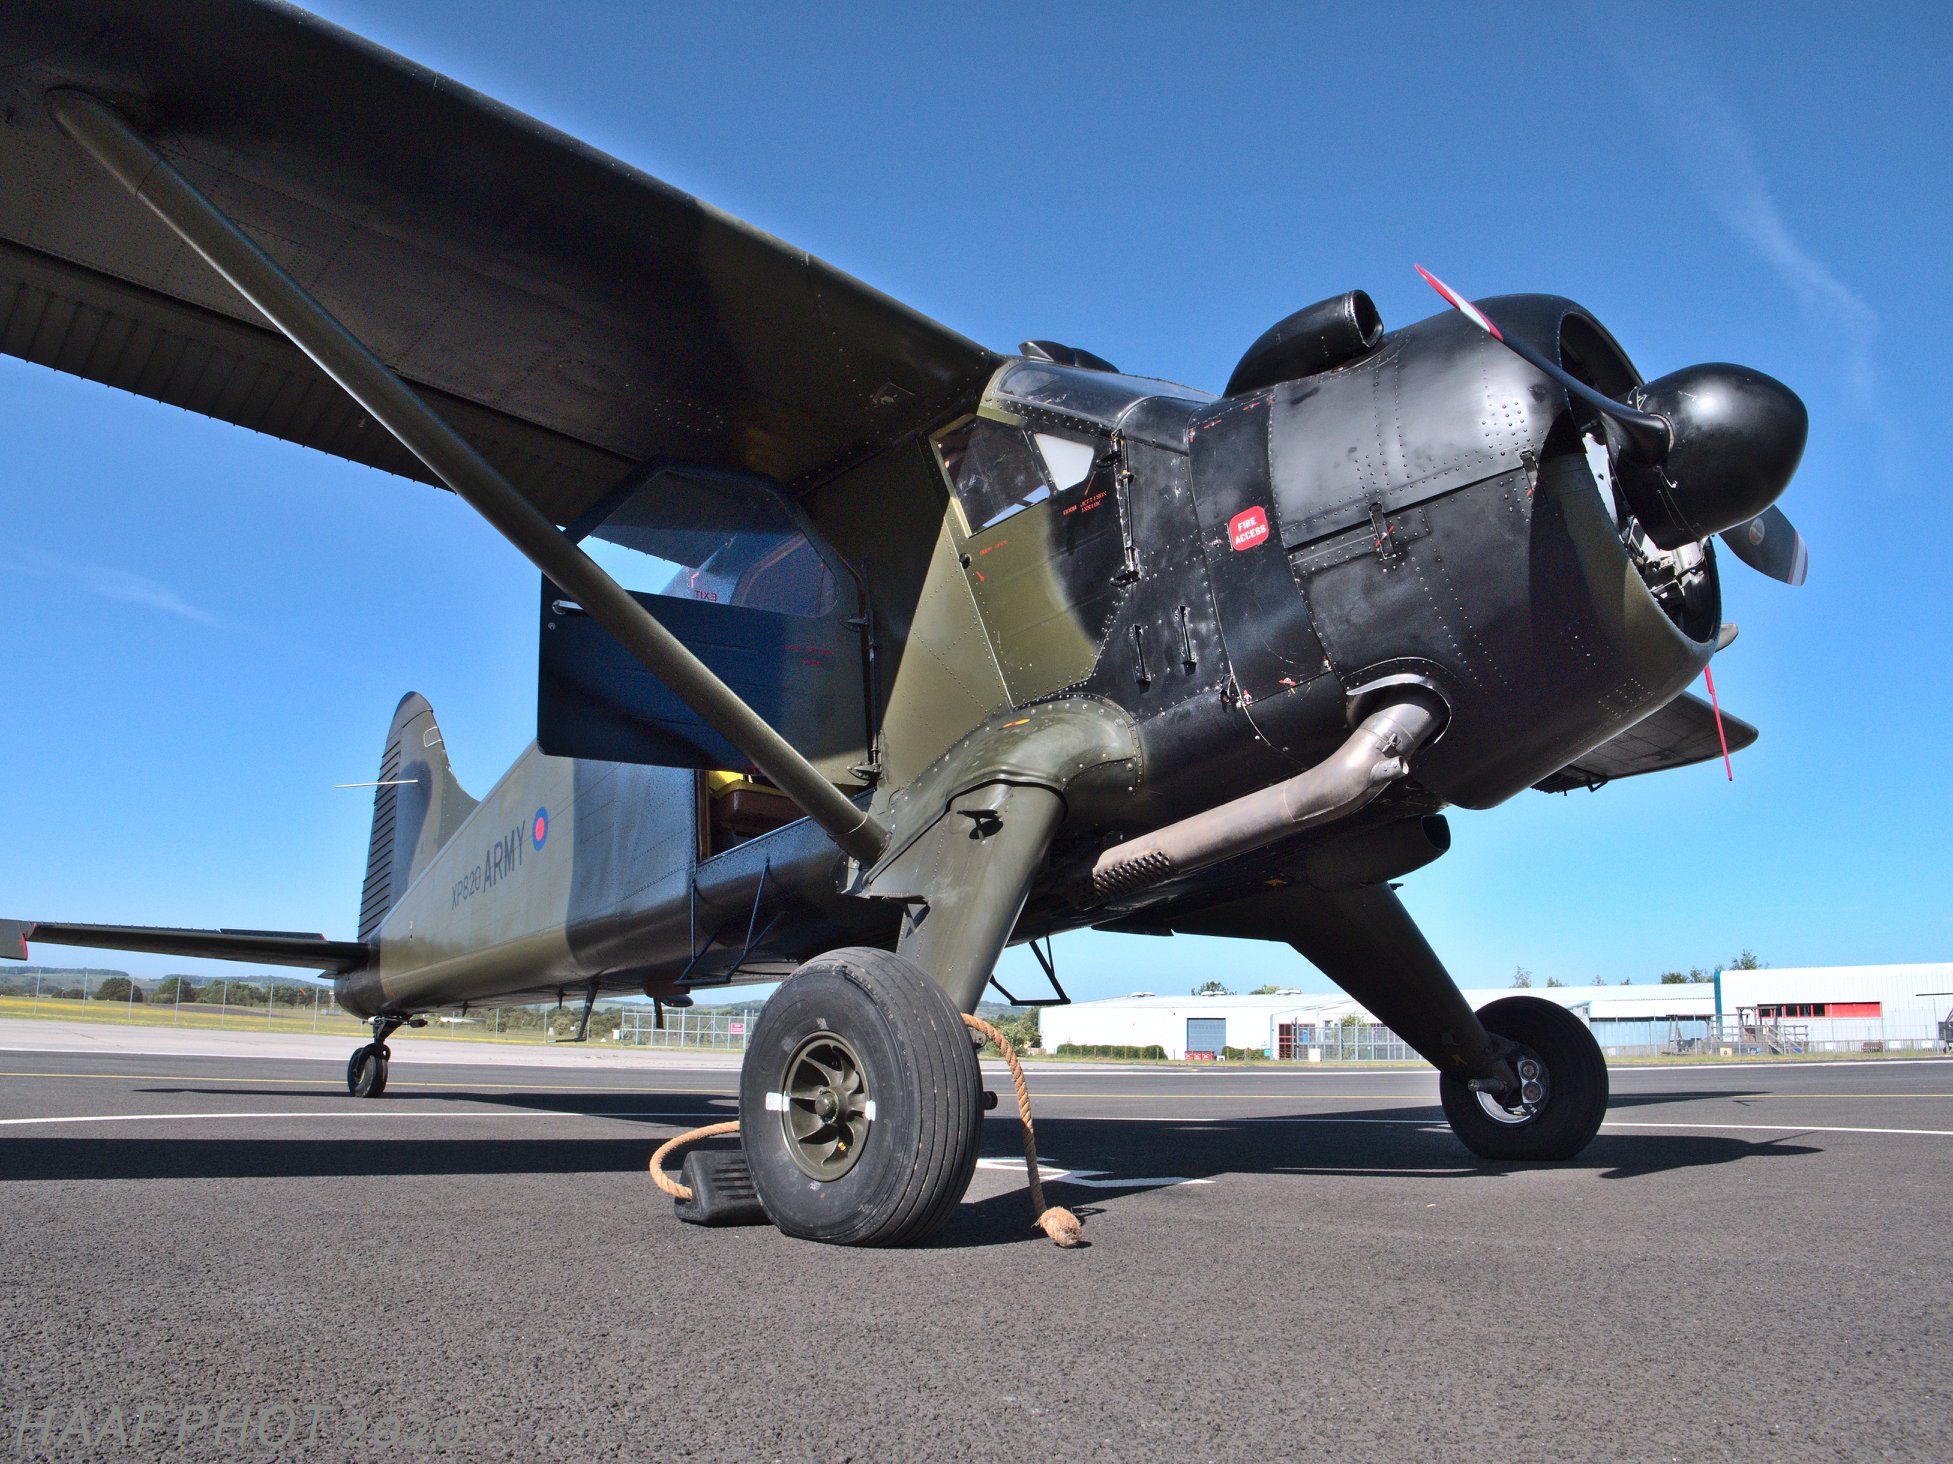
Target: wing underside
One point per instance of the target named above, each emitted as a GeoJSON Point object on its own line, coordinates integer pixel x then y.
{"type": "Point", "coordinates": [572, 316]}
{"type": "Point", "coordinates": [1679, 735]}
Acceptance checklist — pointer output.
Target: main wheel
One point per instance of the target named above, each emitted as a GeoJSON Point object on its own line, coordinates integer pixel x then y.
{"type": "Point", "coordinates": [366, 1071]}
{"type": "Point", "coordinates": [860, 1103]}
{"type": "Point", "coordinates": [1565, 1080]}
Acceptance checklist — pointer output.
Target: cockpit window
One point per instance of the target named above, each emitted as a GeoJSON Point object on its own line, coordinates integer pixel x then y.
{"type": "Point", "coordinates": [731, 543]}
{"type": "Point", "coordinates": [994, 469]}
{"type": "Point", "coordinates": [1067, 460]}
{"type": "Point", "coordinates": [1000, 468]}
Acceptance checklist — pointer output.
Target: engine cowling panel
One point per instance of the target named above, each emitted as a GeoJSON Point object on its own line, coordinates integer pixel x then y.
{"type": "Point", "coordinates": [1442, 522]}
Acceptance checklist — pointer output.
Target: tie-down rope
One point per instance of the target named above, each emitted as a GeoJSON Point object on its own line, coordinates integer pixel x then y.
{"type": "Point", "coordinates": [1055, 1221]}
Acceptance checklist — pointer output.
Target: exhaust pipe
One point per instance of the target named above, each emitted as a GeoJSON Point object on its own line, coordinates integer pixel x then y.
{"type": "Point", "coordinates": [1375, 754]}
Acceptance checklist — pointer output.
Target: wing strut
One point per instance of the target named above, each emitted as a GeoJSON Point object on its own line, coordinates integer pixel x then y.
{"type": "Point", "coordinates": [106, 137]}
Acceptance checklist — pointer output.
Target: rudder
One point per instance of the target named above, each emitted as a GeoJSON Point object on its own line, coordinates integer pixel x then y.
{"type": "Point", "coordinates": [416, 809]}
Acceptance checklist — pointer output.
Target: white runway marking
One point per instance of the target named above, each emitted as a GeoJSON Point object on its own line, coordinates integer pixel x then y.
{"type": "Point", "coordinates": [1246, 1119]}
{"type": "Point", "coordinates": [1439, 1125]}
{"type": "Point", "coordinates": [1780, 1128]}
{"type": "Point", "coordinates": [1094, 1178]}
{"type": "Point", "coordinates": [342, 1113]}
{"type": "Point", "coordinates": [1737, 1065]}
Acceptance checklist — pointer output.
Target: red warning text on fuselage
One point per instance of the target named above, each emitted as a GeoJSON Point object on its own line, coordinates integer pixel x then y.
{"type": "Point", "coordinates": [1247, 528]}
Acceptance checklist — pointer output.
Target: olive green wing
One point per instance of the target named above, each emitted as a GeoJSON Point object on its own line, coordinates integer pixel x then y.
{"type": "Point", "coordinates": [569, 314]}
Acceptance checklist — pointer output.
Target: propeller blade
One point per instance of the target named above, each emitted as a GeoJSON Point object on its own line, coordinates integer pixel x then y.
{"type": "Point", "coordinates": [1770, 544]}
{"type": "Point", "coordinates": [1648, 436]}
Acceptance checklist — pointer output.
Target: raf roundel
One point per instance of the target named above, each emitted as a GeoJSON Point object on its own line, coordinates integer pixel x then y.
{"type": "Point", "coordinates": [539, 830]}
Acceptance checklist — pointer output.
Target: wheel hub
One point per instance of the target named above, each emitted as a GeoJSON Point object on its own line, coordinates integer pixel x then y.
{"type": "Point", "coordinates": [826, 1109]}
{"type": "Point", "coordinates": [1535, 1087]}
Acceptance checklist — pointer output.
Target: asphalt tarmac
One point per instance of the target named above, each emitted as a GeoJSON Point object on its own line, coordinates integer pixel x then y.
{"type": "Point", "coordinates": [227, 1257]}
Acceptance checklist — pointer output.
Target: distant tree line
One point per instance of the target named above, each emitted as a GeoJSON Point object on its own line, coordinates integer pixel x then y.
{"type": "Point", "coordinates": [1745, 960]}
{"type": "Point", "coordinates": [1019, 1024]}
{"type": "Point", "coordinates": [64, 984]}
{"type": "Point", "coordinates": [1154, 1053]}
{"type": "Point", "coordinates": [187, 989]}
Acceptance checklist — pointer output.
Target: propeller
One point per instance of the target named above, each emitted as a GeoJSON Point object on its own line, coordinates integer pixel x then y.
{"type": "Point", "coordinates": [1770, 544]}
{"type": "Point", "coordinates": [1700, 451]}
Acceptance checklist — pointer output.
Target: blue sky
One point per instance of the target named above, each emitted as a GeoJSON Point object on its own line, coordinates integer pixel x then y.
{"type": "Point", "coordinates": [205, 629]}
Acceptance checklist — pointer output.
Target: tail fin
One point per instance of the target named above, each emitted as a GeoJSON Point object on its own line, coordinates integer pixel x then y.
{"type": "Point", "coordinates": [416, 809]}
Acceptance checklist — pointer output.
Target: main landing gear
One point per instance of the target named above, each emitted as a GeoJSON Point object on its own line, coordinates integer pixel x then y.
{"type": "Point", "coordinates": [860, 1102]}
{"type": "Point", "coordinates": [366, 1069]}
{"type": "Point", "coordinates": [1561, 1095]}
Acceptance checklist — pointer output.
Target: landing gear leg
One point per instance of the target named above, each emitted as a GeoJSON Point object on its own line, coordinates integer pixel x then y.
{"type": "Point", "coordinates": [1521, 1080]}
{"type": "Point", "coordinates": [366, 1069]}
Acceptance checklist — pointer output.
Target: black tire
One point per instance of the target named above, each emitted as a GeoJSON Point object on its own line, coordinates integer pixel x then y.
{"type": "Point", "coordinates": [912, 1158]}
{"type": "Point", "coordinates": [1576, 1098]}
{"type": "Point", "coordinates": [366, 1071]}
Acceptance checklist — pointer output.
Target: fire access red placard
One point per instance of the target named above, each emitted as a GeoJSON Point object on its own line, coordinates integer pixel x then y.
{"type": "Point", "coordinates": [1247, 528]}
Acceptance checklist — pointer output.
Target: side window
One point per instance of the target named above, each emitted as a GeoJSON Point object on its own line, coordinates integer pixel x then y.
{"type": "Point", "coordinates": [998, 468]}
{"type": "Point", "coordinates": [993, 469]}
{"type": "Point", "coordinates": [725, 543]}
{"type": "Point", "coordinates": [734, 572]}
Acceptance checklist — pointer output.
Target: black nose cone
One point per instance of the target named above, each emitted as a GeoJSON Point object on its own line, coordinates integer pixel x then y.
{"type": "Point", "coordinates": [1738, 436]}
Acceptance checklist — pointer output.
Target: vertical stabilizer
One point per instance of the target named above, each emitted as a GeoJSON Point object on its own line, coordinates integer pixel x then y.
{"type": "Point", "coordinates": [416, 809]}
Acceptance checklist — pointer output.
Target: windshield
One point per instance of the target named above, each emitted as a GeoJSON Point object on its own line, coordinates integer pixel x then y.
{"type": "Point", "coordinates": [1001, 468]}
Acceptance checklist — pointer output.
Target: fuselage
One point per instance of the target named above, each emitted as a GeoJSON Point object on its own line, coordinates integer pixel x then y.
{"type": "Point", "coordinates": [1238, 578]}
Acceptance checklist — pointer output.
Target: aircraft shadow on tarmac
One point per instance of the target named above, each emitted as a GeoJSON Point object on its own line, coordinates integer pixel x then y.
{"type": "Point", "coordinates": [1370, 1143]}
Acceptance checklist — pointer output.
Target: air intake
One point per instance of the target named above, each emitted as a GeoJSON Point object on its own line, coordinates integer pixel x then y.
{"type": "Point", "coordinates": [1320, 337]}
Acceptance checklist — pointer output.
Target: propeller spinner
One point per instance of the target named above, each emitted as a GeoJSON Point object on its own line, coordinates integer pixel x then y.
{"type": "Point", "coordinates": [1704, 450]}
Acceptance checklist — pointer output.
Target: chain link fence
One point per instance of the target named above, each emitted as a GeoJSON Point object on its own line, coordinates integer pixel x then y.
{"type": "Point", "coordinates": [716, 1030]}
{"type": "Point", "coordinates": [260, 1003]}
{"type": "Point", "coordinates": [281, 1004]}
{"type": "Point", "coordinates": [1366, 1042]}
{"type": "Point", "coordinates": [1341, 1042]}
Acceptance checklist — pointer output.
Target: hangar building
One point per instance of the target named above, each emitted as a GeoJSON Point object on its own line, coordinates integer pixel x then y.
{"type": "Point", "coordinates": [1822, 1008]}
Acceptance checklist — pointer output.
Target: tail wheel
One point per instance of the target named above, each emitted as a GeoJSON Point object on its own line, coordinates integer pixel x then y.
{"type": "Point", "coordinates": [860, 1102]}
{"type": "Point", "coordinates": [1563, 1081]}
{"type": "Point", "coordinates": [366, 1071]}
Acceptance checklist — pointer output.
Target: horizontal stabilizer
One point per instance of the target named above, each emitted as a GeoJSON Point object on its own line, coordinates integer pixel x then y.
{"type": "Point", "coordinates": [1679, 735]}
{"type": "Point", "coordinates": [260, 947]}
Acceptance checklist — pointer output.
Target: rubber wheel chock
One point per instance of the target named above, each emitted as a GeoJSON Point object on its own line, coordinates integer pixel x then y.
{"type": "Point", "coordinates": [722, 1190]}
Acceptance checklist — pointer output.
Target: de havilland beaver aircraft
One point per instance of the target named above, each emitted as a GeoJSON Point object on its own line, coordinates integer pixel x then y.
{"type": "Point", "coordinates": [867, 651]}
